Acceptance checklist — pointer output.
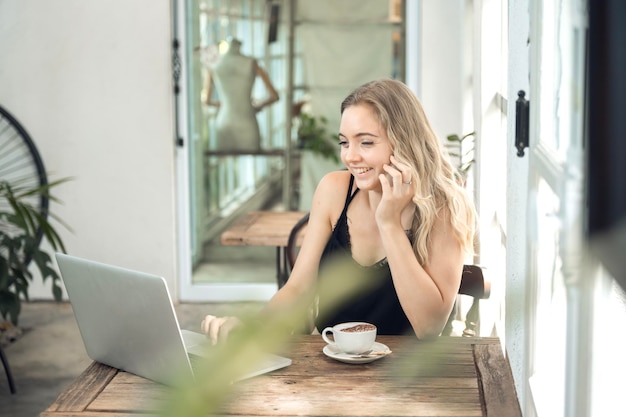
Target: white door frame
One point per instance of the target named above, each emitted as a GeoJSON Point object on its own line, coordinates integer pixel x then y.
{"type": "Point", "coordinates": [183, 238]}
{"type": "Point", "coordinates": [188, 291]}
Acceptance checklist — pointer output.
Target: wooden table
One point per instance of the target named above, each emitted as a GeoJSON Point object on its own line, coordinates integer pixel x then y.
{"type": "Point", "coordinates": [452, 376]}
{"type": "Point", "coordinates": [265, 228]}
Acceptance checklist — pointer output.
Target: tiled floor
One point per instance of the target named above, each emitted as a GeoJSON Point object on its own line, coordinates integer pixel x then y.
{"type": "Point", "coordinates": [224, 264]}
{"type": "Point", "coordinates": [219, 273]}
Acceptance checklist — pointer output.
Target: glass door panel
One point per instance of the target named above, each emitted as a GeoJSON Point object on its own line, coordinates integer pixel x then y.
{"type": "Point", "coordinates": [224, 185]}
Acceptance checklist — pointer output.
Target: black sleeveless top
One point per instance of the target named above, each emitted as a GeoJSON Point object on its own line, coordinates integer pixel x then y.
{"type": "Point", "coordinates": [377, 303]}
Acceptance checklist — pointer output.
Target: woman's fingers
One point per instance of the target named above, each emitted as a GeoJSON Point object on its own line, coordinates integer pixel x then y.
{"type": "Point", "coordinates": [211, 327]}
{"type": "Point", "coordinates": [217, 328]}
{"type": "Point", "coordinates": [227, 326]}
{"type": "Point", "coordinates": [205, 323]}
{"type": "Point", "coordinates": [396, 177]}
{"type": "Point", "coordinates": [403, 169]}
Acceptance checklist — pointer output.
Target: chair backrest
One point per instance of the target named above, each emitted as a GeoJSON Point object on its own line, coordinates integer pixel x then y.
{"type": "Point", "coordinates": [473, 280]}
{"type": "Point", "coordinates": [292, 250]}
{"type": "Point", "coordinates": [474, 283]}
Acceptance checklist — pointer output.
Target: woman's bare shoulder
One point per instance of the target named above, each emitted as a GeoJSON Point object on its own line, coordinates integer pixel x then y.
{"type": "Point", "coordinates": [335, 181]}
{"type": "Point", "coordinates": [331, 192]}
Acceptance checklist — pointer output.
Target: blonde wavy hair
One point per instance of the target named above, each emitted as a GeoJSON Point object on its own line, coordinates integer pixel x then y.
{"type": "Point", "coordinates": [413, 142]}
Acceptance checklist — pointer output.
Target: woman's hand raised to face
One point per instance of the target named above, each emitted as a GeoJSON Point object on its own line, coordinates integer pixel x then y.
{"type": "Point", "coordinates": [398, 190]}
{"type": "Point", "coordinates": [218, 328]}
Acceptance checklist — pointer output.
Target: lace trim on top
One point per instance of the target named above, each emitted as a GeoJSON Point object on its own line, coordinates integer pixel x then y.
{"type": "Point", "coordinates": [377, 265]}
{"type": "Point", "coordinates": [344, 232]}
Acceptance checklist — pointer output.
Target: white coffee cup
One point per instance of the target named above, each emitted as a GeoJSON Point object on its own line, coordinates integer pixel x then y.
{"type": "Point", "coordinates": [352, 337]}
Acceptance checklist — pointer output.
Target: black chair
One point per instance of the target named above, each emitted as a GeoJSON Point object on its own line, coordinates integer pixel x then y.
{"type": "Point", "coordinates": [473, 283]}
{"type": "Point", "coordinates": [292, 249]}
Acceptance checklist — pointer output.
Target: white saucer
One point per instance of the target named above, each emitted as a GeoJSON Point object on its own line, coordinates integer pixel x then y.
{"type": "Point", "coordinates": [332, 352]}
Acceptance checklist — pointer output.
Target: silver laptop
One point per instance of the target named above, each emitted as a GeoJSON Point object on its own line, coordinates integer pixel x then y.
{"type": "Point", "coordinates": [127, 320]}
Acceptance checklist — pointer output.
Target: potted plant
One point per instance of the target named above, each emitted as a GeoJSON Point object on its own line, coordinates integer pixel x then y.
{"type": "Point", "coordinates": [313, 136]}
{"type": "Point", "coordinates": [462, 149]}
{"type": "Point", "coordinates": [23, 227]}
{"type": "Point", "coordinates": [319, 155]}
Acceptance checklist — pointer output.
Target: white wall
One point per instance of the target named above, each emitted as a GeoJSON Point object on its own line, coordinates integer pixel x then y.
{"type": "Point", "coordinates": [91, 81]}
{"type": "Point", "coordinates": [441, 65]}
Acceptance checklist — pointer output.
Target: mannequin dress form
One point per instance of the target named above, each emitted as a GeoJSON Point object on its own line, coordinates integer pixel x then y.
{"type": "Point", "coordinates": [233, 77]}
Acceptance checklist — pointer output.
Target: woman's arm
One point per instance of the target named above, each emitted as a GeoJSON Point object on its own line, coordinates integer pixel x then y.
{"type": "Point", "coordinates": [426, 292]}
{"type": "Point", "coordinates": [325, 210]}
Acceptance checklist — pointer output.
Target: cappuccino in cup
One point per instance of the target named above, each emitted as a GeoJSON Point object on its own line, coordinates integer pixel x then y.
{"type": "Point", "coordinates": [352, 337]}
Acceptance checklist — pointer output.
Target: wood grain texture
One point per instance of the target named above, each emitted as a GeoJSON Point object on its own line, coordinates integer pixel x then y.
{"type": "Point", "coordinates": [448, 377]}
{"type": "Point", "coordinates": [262, 228]}
{"type": "Point", "coordinates": [496, 382]}
{"type": "Point", "coordinates": [84, 389]}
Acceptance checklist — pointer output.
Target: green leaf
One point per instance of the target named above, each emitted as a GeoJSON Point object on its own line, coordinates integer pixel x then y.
{"type": "Point", "coordinates": [467, 135]}
{"type": "Point", "coordinates": [462, 152]}
{"type": "Point", "coordinates": [313, 136]}
{"type": "Point", "coordinates": [10, 306]}
{"type": "Point", "coordinates": [57, 292]}
{"type": "Point", "coordinates": [4, 274]}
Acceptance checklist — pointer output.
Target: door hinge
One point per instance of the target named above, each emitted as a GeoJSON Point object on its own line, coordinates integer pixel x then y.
{"type": "Point", "coordinates": [176, 65]}
{"type": "Point", "coordinates": [521, 123]}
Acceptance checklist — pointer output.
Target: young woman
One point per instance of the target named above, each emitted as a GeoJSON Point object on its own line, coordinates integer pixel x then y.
{"type": "Point", "coordinates": [397, 214]}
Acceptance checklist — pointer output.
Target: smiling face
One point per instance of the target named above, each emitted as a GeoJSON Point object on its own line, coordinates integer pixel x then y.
{"type": "Point", "coordinates": [365, 147]}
